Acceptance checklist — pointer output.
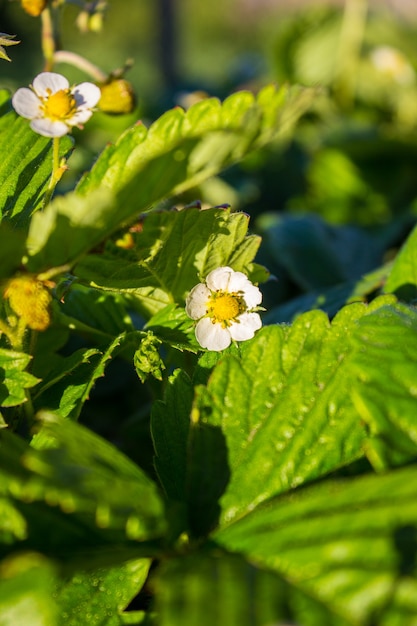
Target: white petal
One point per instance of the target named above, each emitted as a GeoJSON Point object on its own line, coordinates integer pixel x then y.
{"type": "Point", "coordinates": [86, 95]}
{"type": "Point", "coordinates": [219, 278]}
{"type": "Point", "coordinates": [212, 336]}
{"type": "Point", "coordinates": [49, 82]}
{"type": "Point", "coordinates": [245, 327]}
{"type": "Point", "coordinates": [252, 295]}
{"type": "Point", "coordinates": [80, 117]}
{"type": "Point", "coordinates": [196, 304]}
{"type": "Point", "coordinates": [238, 282]}
{"type": "Point", "coordinates": [26, 103]}
{"type": "Point", "coordinates": [48, 128]}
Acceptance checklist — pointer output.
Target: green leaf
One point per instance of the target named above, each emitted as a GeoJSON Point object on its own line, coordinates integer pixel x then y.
{"type": "Point", "coordinates": [98, 597]}
{"type": "Point", "coordinates": [170, 422]}
{"type": "Point", "coordinates": [386, 396]}
{"type": "Point", "coordinates": [66, 476]}
{"type": "Point", "coordinates": [95, 313]}
{"type": "Point", "coordinates": [283, 412]}
{"type": "Point", "coordinates": [25, 168]}
{"type": "Point", "coordinates": [69, 227]}
{"type": "Point", "coordinates": [181, 149]}
{"type": "Point", "coordinates": [350, 544]}
{"type": "Point", "coordinates": [14, 380]}
{"type": "Point", "coordinates": [27, 591]}
{"type": "Point", "coordinates": [216, 588]}
{"type": "Point", "coordinates": [173, 326]}
{"type": "Point", "coordinates": [315, 254]}
{"type": "Point", "coordinates": [174, 251]}
{"type": "Point", "coordinates": [12, 523]}
{"type": "Point", "coordinates": [68, 384]}
{"type": "Point", "coordinates": [403, 277]}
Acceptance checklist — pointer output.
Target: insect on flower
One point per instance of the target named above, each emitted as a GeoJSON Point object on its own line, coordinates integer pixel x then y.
{"type": "Point", "coordinates": [225, 308]}
{"type": "Point", "coordinates": [53, 106]}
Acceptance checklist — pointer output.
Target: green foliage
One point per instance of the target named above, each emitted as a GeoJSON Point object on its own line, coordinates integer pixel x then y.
{"type": "Point", "coordinates": [145, 480]}
{"type": "Point", "coordinates": [25, 173]}
{"type": "Point", "coordinates": [14, 377]}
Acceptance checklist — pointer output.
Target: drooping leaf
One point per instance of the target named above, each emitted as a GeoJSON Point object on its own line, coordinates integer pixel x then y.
{"type": "Point", "coordinates": [14, 379]}
{"type": "Point", "coordinates": [350, 544]}
{"type": "Point", "coordinates": [25, 168]}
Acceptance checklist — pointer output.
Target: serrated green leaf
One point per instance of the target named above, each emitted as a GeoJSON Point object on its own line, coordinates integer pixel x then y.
{"type": "Point", "coordinates": [350, 544]}
{"type": "Point", "coordinates": [174, 251]}
{"type": "Point", "coordinates": [68, 384]}
{"type": "Point", "coordinates": [283, 411]}
{"type": "Point", "coordinates": [181, 149]}
{"type": "Point", "coordinates": [386, 396]}
{"type": "Point", "coordinates": [280, 415]}
{"type": "Point", "coordinates": [14, 380]}
{"type": "Point", "coordinates": [26, 591]}
{"type": "Point", "coordinates": [98, 597]}
{"type": "Point", "coordinates": [25, 168]}
{"type": "Point", "coordinates": [218, 588]}
{"type": "Point", "coordinates": [402, 279]}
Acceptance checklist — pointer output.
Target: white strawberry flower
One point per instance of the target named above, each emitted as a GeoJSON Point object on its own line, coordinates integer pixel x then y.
{"type": "Point", "coordinates": [53, 106]}
{"type": "Point", "coordinates": [224, 307]}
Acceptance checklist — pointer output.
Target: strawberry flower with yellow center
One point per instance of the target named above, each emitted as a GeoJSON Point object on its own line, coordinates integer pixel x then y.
{"type": "Point", "coordinates": [53, 106]}
{"type": "Point", "coordinates": [225, 307]}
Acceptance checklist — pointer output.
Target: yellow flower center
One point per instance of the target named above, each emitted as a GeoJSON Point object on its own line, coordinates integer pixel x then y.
{"type": "Point", "coordinates": [30, 300]}
{"type": "Point", "coordinates": [59, 105]}
{"type": "Point", "coordinates": [223, 307]}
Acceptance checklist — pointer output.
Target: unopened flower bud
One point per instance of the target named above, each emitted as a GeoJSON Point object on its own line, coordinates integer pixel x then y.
{"type": "Point", "coordinates": [117, 97]}
{"type": "Point", "coordinates": [34, 7]}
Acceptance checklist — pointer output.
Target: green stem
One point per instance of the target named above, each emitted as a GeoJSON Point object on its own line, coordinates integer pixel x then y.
{"type": "Point", "coordinates": [48, 39]}
{"type": "Point", "coordinates": [76, 60]}
{"type": "Point", "coordinates": [351, 39]}
{"type": "Point", "coordinates": [56, 172]}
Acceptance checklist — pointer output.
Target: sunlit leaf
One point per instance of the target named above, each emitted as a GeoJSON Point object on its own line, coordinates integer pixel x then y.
{"type": "Point", "coordinates": [350, 544]}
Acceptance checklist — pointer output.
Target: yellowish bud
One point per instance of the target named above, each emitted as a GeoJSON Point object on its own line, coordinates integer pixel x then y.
{"type": "Point", "coordinates": [30, 300]}
{"type": "Point", "coordinates": [34, 7]}
{"type": "Point", "coordinates": [117, 97]}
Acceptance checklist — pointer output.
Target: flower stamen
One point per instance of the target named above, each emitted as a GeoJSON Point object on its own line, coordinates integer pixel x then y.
{"type": "Point", "coordinates": [60, 105]}
{"type": "Point", "coordinates": [223, 307]}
